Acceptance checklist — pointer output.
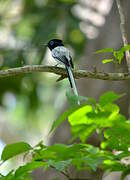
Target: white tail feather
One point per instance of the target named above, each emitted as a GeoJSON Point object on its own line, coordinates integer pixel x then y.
{"type": "Point", "coordinates": [73, 84]}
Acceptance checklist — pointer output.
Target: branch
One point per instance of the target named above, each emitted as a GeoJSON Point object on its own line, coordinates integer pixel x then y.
{"type": "Point", "coordinates": [62, 72]}
{"type": "Point", "coordinates": [123, 31]}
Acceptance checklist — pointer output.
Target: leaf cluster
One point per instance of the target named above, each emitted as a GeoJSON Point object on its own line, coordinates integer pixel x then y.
{"type": "Point", "coordinates": [102, 118]}
{"type": "Point", "coordinates": [118, 55]}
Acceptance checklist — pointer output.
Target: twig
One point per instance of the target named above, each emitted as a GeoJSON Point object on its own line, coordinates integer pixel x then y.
{"type": "Point", "coordinates": [123, 31]}
{"type": "Point", "coordinates": [62, 72]}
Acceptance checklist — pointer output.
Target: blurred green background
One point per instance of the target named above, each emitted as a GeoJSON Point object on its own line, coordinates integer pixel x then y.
{"type": "Point", "coordinates": [31, 102]}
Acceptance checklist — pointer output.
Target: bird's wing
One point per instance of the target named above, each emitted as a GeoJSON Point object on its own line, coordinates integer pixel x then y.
{"type": "Point", "coordinates": [71, 62]}
{"type": "Point", "coordinates": [62, 54]}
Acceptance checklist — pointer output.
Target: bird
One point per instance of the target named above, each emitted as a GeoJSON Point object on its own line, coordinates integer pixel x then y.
{"type": "Point", "coordinates": [62, 55]}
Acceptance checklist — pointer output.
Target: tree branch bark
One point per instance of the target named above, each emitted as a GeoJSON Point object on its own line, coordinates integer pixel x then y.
{"type": "Point", "coordinates": [123, 31]}
{"type": "Point", "coordinates": [62, 72]}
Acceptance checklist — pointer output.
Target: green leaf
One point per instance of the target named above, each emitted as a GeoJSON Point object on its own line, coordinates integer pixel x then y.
{"type": "Point", "coordinates": [105, 50]}
{"type": "Point", "coordinates": [82, 131]}
{"type": "Point", "coordinates": [64, 116]}
{"type": "Point", "coordinates": [29, 167]}
{"type": "Point", "coordinates": [78, 116]}
{"type": "Point", "coordinates": [59, 165]}
{"type": "Point", "coordinates": [80, 126]}
{"type": "Point", "coordinates": [88, 161]}
{"type": "Point", "coordinates": [60, 152]}
{"type": "Point", "coordinates": [14, 149]}
{"type": "Point", "coordinates": [125, 48]}
{"type": "Point", "coordinates": [117, 137]}
{"type": "Point", "coordinates": [104, 61]}
{"type": "Point", "coordinates": [73, 99]}
{"type": "Point", "coordinates": [118, 56]}
{"type": "Point", "coordinates": [109, 97]}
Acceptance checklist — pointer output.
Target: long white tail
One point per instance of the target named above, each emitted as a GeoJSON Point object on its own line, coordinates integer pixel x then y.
{"type": "Point", "coordinates": [72, 81]}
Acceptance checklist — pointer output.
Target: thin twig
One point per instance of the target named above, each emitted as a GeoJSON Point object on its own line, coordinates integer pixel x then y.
{"type": "Point", "coordinates": [123, 31]}
{"type": "Point", "coordinates": [62, 72]}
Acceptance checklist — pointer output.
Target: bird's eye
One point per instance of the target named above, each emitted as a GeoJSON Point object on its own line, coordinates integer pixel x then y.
{"type": "Point", "coordinates": [51, 43]}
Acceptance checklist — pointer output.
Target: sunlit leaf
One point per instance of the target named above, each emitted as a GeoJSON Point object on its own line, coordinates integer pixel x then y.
{"type": "Point", "coordinates": [105, 50]}
{"type": "Point", "coordinates": [64, 116]}
{"type": "Point", "coordinates": [105, 61]}
{"type": "Point", "coordinates": [79, 116]}
{"type": "Point", "coordinates": [118, 56]}
{"type": "Point", "coordinates": [125, 48]}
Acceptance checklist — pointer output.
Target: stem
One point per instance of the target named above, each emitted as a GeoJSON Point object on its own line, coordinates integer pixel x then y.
{"type": "Point", "coordinates": [123, 31]}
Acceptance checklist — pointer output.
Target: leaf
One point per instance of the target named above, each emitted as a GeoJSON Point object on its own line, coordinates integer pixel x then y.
{"type": "Point", "coordinates": [80, 155]}
{"type": "Point", "coordinates": [82, 131]}
{"type": "Point", "coordinates": [64, 116]}
{"type": "Point", "coordinates": [109, 97]}
{"type": "Point", "coordinates": [105, 50]}
{"type": "Point", "coordinates": [104, 61]}
{"type": "Point", "coordinates": [117, 137]}
{"type": "Point", "coordinates": [14, 149]}
{"type": "Point", "coordinates": [61, 152]}
{"type": "Point", "coordinates": [78, 116]}
{"type": "Point", "coordinates": [125, 48]}
{"type": "Point", "coordinates": [118, 56]}
{"type": "Point", "coordinates": [88, 161]}
{"type": "Point", "coordinates": [73, 99]}
{"type": "Point", "coordinates": [29, 167]}
{"type": "Point", "coordinates": [60, 165]}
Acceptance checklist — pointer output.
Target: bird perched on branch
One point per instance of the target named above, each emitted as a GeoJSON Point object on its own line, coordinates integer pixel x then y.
{"type": "Point", "coordinates": [62, 55]}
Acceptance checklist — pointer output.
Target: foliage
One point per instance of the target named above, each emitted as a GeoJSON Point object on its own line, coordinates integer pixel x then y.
{"type": "Point", "coordinates": [102, 118]}
{"type": "Point", "coordinates": [118, 55]}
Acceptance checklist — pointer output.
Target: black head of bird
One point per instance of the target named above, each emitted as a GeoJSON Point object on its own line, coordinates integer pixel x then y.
{"type": "Point", "coordinates": [54, 43]}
